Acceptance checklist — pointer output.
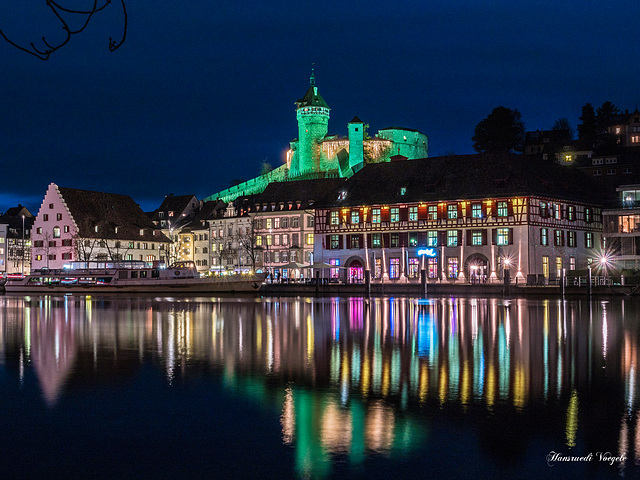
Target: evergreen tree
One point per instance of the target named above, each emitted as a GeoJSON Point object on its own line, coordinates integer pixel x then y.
{"type": "Point", "coordinates": [587, 129]}
{"type": "Point", "coordinates": [604, 117]}
{"type": "Point", "coordinates": [501, 131]}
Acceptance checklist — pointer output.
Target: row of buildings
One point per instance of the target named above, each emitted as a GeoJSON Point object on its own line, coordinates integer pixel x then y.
{"type": "Point", "coordinates": [460, 218]}
{"type": "Point", "coordinates": [345, 205]}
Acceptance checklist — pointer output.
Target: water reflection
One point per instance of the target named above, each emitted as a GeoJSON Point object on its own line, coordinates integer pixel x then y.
{"type": "Point", "coordinates": [353, 378]}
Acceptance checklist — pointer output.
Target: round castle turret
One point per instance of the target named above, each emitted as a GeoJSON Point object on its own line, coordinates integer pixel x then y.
{"type": "Point", "coordinates": [312, 113]}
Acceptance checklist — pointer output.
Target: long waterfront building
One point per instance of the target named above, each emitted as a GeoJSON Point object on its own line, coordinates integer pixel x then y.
{"type": "Point", "coordinates": [461, 218]}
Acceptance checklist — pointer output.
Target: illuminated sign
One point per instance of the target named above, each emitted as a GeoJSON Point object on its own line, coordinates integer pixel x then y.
{"type": "Point", "coordinates": [429, 252]}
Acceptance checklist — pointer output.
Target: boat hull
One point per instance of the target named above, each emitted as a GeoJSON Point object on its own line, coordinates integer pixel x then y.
{"type": "Point", "coordinates": [185, 285]}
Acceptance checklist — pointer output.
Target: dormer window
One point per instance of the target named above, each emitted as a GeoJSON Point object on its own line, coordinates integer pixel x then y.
{"type": "Point", "coordinates": [403, 190]}
{"type": "Point", "coordinates": [342, 195]}
{"type": "Point", "coordinates": [96, 228]}
{"type": "Point", "coordinates": [116, 229]}
{"type": "Point", "coordinates": [141, 232]}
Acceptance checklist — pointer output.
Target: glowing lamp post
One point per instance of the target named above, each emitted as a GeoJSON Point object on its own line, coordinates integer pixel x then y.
{"type": "Point", "coordinates": [506, 275]}
{"type": "Point", "coordinates": [605, 261]}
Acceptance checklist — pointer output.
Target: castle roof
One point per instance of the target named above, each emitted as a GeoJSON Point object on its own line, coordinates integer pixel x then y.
{"type": "Point", "coordinates": [312, 98]}
{"type": "Point", "coordinates": [400, 128]}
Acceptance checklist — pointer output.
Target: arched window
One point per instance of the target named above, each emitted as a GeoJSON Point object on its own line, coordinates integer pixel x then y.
{"type": "Point", "coordinates": [56, 232]}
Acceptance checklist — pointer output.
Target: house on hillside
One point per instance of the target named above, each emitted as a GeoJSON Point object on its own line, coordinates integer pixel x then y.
{"type": "Point", "coordinates": [80, 225]}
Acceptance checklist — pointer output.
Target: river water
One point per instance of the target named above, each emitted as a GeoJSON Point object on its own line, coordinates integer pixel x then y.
{"type": "Point", "coordinates": [161, 387]}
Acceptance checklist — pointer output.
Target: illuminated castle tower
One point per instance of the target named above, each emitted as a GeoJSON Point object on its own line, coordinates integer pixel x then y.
{"type": "Point", "coordinates": [312, 113]}
{"type": "Point", "coordinates": [314, 154]}
{"type": "Point", "coordinates": [356, 143]}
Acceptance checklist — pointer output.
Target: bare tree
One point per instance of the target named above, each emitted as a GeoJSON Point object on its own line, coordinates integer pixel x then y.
{"type": "Point", "coordinates": [247, 242]}
{"type": "Point", "coordinates": [66, 18]}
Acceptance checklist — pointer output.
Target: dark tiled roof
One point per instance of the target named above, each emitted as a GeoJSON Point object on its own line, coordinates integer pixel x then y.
{"type": "Point", "coordinates": [400, 128]}
{"type": "Point", "coordinates": [462, 177]}
{"type": "Point", "coordinates": [18, 212]}
{"type": "Point", "coordinates": [107, 211]}
{"type": "Point", "coordinates": [311, 99]}
{"type": "Point", "coordinates": [173, 203]}
{"type": "Point", "coordinates": [304, 191]}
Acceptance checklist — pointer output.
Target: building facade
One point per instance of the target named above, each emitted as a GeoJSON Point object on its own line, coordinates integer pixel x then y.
{"type": "Point", "coordinates": [80, 225]}
{"type": "Point", "coordinates": [426, 224]}
{"type": "Point", "coordinates": [622, 230]}
{"type": "Point", "coordinates": [15, 241]}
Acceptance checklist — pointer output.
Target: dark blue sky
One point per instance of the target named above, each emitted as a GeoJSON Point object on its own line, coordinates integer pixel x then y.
{"type": "Point", "coordinates": [202, 93]}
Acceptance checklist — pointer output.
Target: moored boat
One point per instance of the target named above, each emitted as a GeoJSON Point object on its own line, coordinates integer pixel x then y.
{"type": "Point", "coordinates": [131, 277]}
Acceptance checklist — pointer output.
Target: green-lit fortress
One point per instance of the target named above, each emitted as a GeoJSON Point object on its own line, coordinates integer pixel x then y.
{"type": "Point", "coordinates": [314, 154]}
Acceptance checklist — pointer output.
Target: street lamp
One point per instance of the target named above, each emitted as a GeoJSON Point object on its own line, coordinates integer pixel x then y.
{"type": "Point", "coordinates": [22, 245]}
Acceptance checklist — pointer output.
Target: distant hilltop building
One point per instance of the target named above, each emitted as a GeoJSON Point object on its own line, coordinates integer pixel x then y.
{"type": "Point", "coordinates": [315, 154]}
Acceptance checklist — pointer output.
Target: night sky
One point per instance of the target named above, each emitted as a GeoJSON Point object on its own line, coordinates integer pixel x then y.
{"type": "Point", "coordinates": [202, 93]}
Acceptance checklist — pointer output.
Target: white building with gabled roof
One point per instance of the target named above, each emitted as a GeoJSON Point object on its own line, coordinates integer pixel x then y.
{"type": "Point", "coordinates": [81, 225]}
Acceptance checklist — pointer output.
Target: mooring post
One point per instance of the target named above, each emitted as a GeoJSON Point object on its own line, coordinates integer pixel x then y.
{"type": "Point", "coordinates": [367, 283]}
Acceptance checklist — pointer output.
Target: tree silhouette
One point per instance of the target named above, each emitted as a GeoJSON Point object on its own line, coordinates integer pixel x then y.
{"type": "Point", "coordinates": [65, 16]}
{"type": "Point", "coordinates": [501, 131]}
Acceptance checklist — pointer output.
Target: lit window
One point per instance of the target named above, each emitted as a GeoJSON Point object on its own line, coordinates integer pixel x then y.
{"type": "Point", "coordinates": [452, 211]}
{"type": "Point", "coordinates": [394, 268]}
{"type": "Point", "coordinates": [376, 240]}
{"type": "Point", "coordinates": [413, 214]}
{"type": "Point", "coordinates": [453, 267]}
{"type": "Point", "coordinates": [335, 218]}
{"type": "Point", "coordinates": [544, 237]}
{"type": "Point", "coordinates": [432, 239]}
{"type": "Point", "coordinates": [588, 239]}
{"type": "Point", "coordinates": [375, 215]}
{"type": "Point", "coordinates": [56, 232]}
{"type": "Point", "coordinates": [433, 267]}
{"type": "Point", "coordinates": [394, 240]}
{"type": "Point", "coordinates": [355, 216]}
{"type": "Point", "coordinates": [335, 242]}
{"type": "Point", "coordinates": [503, 211]}
{"type": "Point", "coordinates": [559, 238]}
{"type": "Point", "coordinates": [502, 236]}
{"type": "Point", "coordinates": [413, 239]}
{"type": "Point", "coordinates": [476, 237]}
{"type": "Point", "coordinates": [476, 210]}
{"type": "Point", "coordinates": [309, 238]}
{"type": "Point", "coordinates": [432, 212]}
{"type": "Point", "coordinates": [452, 238]}
{"type": "Point", "coordinates": [395, 214]}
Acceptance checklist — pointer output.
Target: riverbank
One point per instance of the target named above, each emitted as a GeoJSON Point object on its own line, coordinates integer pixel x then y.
{"type": "Point", "coordinates": [437, 289]}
